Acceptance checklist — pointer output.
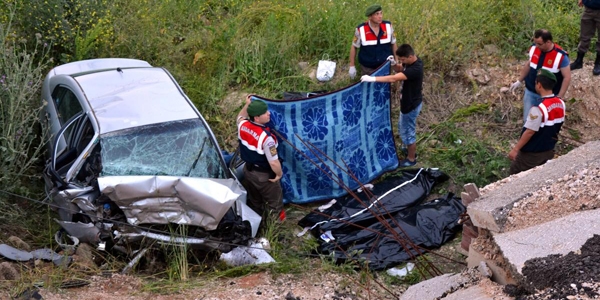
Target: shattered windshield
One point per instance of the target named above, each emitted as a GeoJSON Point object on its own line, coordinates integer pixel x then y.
{"type": "Point", "coordinates": [177, 148]}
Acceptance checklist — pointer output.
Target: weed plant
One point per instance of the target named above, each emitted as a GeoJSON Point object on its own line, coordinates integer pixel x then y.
{"type": "Point", "coordinates": [177, 257]}
{"type": "Point", "coordinates": [21, 137]}
{"type": "Point", "coordinates": [465, 156]}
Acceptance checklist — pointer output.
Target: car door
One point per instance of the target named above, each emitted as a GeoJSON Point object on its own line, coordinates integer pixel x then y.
{"type": "Point", "coordinates": [65, 106]}
{"type": "Point", "coordinates": [80, 138]}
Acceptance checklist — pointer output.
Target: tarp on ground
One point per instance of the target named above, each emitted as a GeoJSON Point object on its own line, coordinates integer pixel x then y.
{"type": "Point", "coordinates": [347, 230]}
{"type": "Point", "coordinates": [351, 126]}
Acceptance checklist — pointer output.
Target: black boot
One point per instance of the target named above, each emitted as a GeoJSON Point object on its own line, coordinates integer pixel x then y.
{"type": "Point", "coordinates": [578, 63]}
{"type": "Point", "coordinates": [596, 70]}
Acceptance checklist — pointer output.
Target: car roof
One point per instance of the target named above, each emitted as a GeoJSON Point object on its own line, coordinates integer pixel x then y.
{"type": "Point", "coordinates": [130, 97]}
{"type": "Point", "coordinates": [97, 64]}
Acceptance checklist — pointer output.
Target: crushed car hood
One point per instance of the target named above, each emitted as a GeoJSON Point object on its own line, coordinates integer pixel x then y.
{"type": "Point", "coordinates": [169, 199]}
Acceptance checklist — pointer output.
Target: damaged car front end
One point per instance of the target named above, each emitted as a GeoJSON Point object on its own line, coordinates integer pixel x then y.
{"type": "Point", "coordinates": [132, 162]}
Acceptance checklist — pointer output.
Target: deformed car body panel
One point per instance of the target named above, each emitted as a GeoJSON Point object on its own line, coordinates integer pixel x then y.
{"type": "Point", "coordinates": [85, 232]}
{"type": "Point", "coordinates": [132, 159]}
{"type": "Point", "coordinates": [167, 199]}
{"type": "Point", "coordinates": [249, 215]}
{"type": "Point", "coordinates": [137, 99]}
{"type": "Point", "coordinates": [74, 200]}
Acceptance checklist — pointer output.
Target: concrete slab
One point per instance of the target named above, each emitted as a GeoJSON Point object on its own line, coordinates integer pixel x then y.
{"type": "Point", "coordinates": [499, 274]}
{"type": "Point", "coordinates": [475, 292]}
{"type": "Point", "coordinates": [491, 209]}
{"type": "Point", "coordinates": [559, 236]}
{"type": "Point", "coordinates": [435, 287]}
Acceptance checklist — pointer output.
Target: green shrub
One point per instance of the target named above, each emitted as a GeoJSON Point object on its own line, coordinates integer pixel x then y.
{"type": "Point", "coordinates": [60, 22]}
{"type": "Point", "coordinates": [21, 75]}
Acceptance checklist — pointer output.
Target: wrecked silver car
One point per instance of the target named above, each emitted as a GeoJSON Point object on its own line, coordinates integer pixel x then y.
{"type": "Point", "coordinates": [132, 161]}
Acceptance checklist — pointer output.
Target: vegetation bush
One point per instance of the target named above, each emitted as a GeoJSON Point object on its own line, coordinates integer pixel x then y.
{"type": "Point", "coordinates": [73, 28]}
{"type": "Point", "coordinates": [21, 75]}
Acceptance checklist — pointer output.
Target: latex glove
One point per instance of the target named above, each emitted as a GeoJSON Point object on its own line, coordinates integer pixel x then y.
{"type": "Point", "coordinates": [391, 59]}
{"type": "Point", "coordinates": [352, 72]}
{"type": "Point", "coordinates": [367, 78]}
{"type": "Point", "coordinates": [514, 86]}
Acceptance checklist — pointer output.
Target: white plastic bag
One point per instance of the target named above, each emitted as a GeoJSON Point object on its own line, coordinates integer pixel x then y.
{"type": "Point", "coordinates": [325, 69]}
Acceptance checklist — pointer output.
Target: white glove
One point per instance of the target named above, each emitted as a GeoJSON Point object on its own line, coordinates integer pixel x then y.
{"type": "Point", "coordinates": [352, 72]}
{"type": "Point", "coordinates": [367, 78]}
{"type": "Point", "coordinates": [514, 86]}
{"type": "Point", "coordinates": [392, 60]}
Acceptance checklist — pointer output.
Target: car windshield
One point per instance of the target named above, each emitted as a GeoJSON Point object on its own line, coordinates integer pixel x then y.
{"type": "Point", "coordinates": [177, 148]}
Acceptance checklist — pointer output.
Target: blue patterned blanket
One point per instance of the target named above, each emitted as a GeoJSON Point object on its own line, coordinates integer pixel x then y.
{"type": "Point", "coordinates": [350, 126]}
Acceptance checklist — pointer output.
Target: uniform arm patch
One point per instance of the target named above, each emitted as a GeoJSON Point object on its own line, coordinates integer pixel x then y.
{"type": "Point", "coordinates": [534, 119]}
{"type": "Point", "coordinates": [270, 148]}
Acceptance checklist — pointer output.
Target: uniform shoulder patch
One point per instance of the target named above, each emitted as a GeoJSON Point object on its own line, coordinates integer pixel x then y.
{"type": "Point", "coordinates": [532, 116]}
{"type": "Point", "coordinates": [354, 39]}
{"type": "Point", "coordinates": [273, 150]}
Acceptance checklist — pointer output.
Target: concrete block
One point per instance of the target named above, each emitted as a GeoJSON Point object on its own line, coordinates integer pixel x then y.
{"type": "Point", "coordinates": [470, 230]}
{"type": "Point", "coordinates": [472, 190]}
{"type": "Point", "coordinates": [559, 236]}
{"type": "Point", "coordinates": [465, 243]}
{"type": "Point", "coordinates": [469, 233]}
{"type": "Point", "coordinates": [499, 274]}
{"type": "Point", "coordinates": [491, 209]}
{"type": "Point", "coordinates": [475, 292]}
{"type": "Point", "coordinates": [466, 198]}
{"type": "Point", "coordinates": [435, 288]}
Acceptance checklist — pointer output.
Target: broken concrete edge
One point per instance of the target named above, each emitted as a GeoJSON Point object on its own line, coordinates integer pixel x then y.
{"type": "Point", "coordinates": [496, 262]}
{"type": "Point", "coordinates": [557, 237]}
{"type": "Point", "coordinates": [444, 285]}
{"type": "Point", "coordinates": [490, 219]}
{"type": "Point", "coordinates": [470, 232]}
{"type": "Point", "coordinates": [490, 211]}
{"type": "Point", "coordinates": [493, 221]}
{"type": "Point", "coordinates": [507, 272]}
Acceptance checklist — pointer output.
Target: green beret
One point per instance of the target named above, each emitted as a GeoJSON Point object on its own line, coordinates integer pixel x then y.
{"type": "Point", "coordinates": [372, 9]}
{"type": "Point", "coordinates": [257, 108]}
{"type": "Point", "coordinates": [547, 74]}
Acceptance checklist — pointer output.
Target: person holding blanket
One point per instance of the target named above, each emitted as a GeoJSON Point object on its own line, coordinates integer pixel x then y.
{"type": "Point", "coordinates": [258, 148]}
{"type": "Point", "coordinates": [375, 41]}
{"type": "Point", "coordinates": [411, 99]}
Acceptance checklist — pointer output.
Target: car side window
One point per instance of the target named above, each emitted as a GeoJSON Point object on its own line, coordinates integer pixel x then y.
{"type": "Point", "coordinates": [91, 166]}
{"type": "Point", "coordinates": [66, 103]}
{"type": "Point", "coordinates": [83, 133]}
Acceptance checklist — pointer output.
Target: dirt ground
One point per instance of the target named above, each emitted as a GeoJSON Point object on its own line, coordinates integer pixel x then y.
{"type": "Point", "coordinates": [560, 274]}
